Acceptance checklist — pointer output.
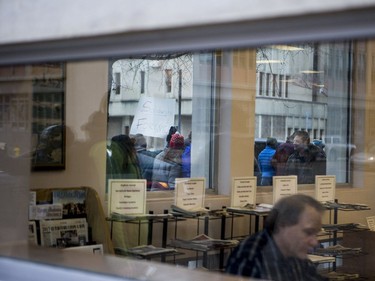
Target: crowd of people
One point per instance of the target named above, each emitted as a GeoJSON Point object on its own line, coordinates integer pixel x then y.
{"type": "Point", "coordinates": [296, 156]}
{"type": "Point", "coordinates": [129, 158]}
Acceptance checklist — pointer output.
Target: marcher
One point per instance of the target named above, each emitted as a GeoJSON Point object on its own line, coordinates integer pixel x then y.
{"type": "Point", "coordinates": [283, 151]}
{"type": "Point", "coordinates": [307, 160]}
{"type": "Point", "coordinates": [279, 251]}
{"type": "Point", "coordinates": [172, 131]}
{"type": "Point", "coordinates": [167, 164]}
{"type": "Point", "coordinates": [145, 158]}
{"type": "Point", "coordinates": [264, 161]}
{"type": "Point", "coordinates": [122, 162]}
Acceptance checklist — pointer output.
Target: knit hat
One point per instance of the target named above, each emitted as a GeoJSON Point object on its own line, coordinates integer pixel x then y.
{"type": "Point", "coordinates": [177, 141]}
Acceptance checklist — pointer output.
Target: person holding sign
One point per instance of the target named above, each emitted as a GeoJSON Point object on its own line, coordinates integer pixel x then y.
{"type": "Point", "coordinates": [279, 251]}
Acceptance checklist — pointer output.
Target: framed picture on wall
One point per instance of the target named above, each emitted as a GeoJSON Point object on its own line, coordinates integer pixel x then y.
{"type": "Point", "coordinates": [48, 122]}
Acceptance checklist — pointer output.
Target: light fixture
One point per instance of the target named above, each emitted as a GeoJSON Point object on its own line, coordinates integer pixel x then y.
{"type": "Point", "coordinates": [287, 48]}
{"type": "Point", "coordinates": [268, 61]}
{"type": "Point", "coordinates": [312, 71]}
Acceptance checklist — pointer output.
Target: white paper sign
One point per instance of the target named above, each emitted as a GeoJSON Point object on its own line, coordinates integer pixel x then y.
{"type": "Point", "coordinates": [284, 186]}
{"type": "Point", "coordinates": [189, 193]}
{"type": "Point", "coordinates": [127, 197]}
{"type": "Point", "coordinates": [325, 187]}
{"type": "Point", "coordinates": [243, 191]}
{"type": "Point", "coordinates": [154, 117]}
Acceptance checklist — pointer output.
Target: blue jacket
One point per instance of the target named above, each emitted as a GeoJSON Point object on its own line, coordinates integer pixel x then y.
{"type": "Point", "coordinates": [264, 161]}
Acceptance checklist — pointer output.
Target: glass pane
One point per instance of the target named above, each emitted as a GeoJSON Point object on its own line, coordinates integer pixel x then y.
{"type": "Point", "coordinates": [313, 91]}
{"type": "Point", "coordinates": [156, 101]}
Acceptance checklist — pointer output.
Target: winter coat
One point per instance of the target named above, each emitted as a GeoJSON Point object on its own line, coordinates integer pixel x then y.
{"type": "Point", "coordinates": [306, 163]}
{"type": "Point", "coordinates": [167, 167]}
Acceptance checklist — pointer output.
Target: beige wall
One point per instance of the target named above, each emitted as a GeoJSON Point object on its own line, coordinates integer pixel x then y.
{"type": "Point", "coordinates": [86, 123]}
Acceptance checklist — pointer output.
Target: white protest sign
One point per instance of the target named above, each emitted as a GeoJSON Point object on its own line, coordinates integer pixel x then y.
{"type": "Point", "coordinates": [284, 186]}
{"type": "Point", "coordinates": [325, 188]}
{"type": "Point", "coordinates": [243, 191]}
{"type": "Point", "coordinates": [154, 117]}
{"type": "Point", "coordinates": [189, 193]}
{"type": "Point", "coordinates": [127, 197]}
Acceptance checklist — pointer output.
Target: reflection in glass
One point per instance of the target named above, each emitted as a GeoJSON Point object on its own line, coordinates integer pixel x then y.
{"type": "Point", "coordinates": [305, 87]}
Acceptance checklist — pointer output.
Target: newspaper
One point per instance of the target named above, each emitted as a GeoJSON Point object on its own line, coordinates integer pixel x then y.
{"type": "Point", "coordinates": [203, 242]}
{"type": "Point", "coordinates": [32, 233]}
{"type": "Point", "coordinates": [144, 251]}
{"type": "Point", "coordinates": [64, 233]}
{"type": "Point", "coordinates": [176, 210]}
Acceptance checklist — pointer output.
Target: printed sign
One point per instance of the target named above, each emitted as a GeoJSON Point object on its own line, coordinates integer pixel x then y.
{"type": "Point", "coordinates": [243, 191]}
{"type": "Point", "coordinates": [325, 187]}
{"type": "Point", "coordinates": [127, 197]}
{"type": "Point", "coordinates": [153, 117]}
{"type": "Point", "coordinates": [189, 193]}
{"type": "Point", "coordinates": [284, 186]}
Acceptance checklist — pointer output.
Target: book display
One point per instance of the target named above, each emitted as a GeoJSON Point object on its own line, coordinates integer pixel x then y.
{"type": "Point", "coordinates": [336, 233]}
{"type": "Point", "coordinates": [202, 244]}
{"type": "Point", "coordinates": [127, 205]}
{"type": "Point", "coordinates": [58, 217]}
{"type": "Point", "coordinates": [243, 202]}
{"type": "Point", "coordinates": [138, 221]}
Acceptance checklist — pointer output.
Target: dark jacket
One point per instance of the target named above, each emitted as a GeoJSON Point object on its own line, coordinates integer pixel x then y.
{"type": "Point", "coordinates": [306, 163]}
{"type": "Point", "coordinates": [279, 159]}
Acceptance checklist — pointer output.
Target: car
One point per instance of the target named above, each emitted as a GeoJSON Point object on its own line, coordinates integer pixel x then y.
{"type": "Point", "coordinates": [337, 148]}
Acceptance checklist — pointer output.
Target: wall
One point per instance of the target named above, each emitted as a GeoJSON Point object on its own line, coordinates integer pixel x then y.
{"type": "Point", "coordinates": [86, 123]}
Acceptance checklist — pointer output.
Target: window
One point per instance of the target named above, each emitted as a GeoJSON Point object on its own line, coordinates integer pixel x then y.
{"type": "Point", "coordinates": [317, 94]}
{"type": "Point", "coordinates": [293, 90]}
{"type": "Point", "coordinates": [168, 80]}
{"type": "Point", "coordinates": [150, 115]}
{"type": "Point", "coordinates": [117, 83]}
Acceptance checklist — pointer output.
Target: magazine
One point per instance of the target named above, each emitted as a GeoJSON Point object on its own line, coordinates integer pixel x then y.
{"type": "Point", "coordinates": [176, 210]}
{"type": "Point", "coordinates": [64, 233]}
{"type": "Point", "coordinates": [144, 251]}
{"type": "Point", "coordinates": [251, 209]}
{"type": "Point", "coordinates": [72, 200]}
{"type": "Point", "coordinates": [204, 243]}
{"type": "Point", "coordinates": [45, 212]}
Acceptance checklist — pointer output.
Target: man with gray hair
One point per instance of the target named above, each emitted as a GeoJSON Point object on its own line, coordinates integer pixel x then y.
{"type": "Point", "coordinates": [279, 251]}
